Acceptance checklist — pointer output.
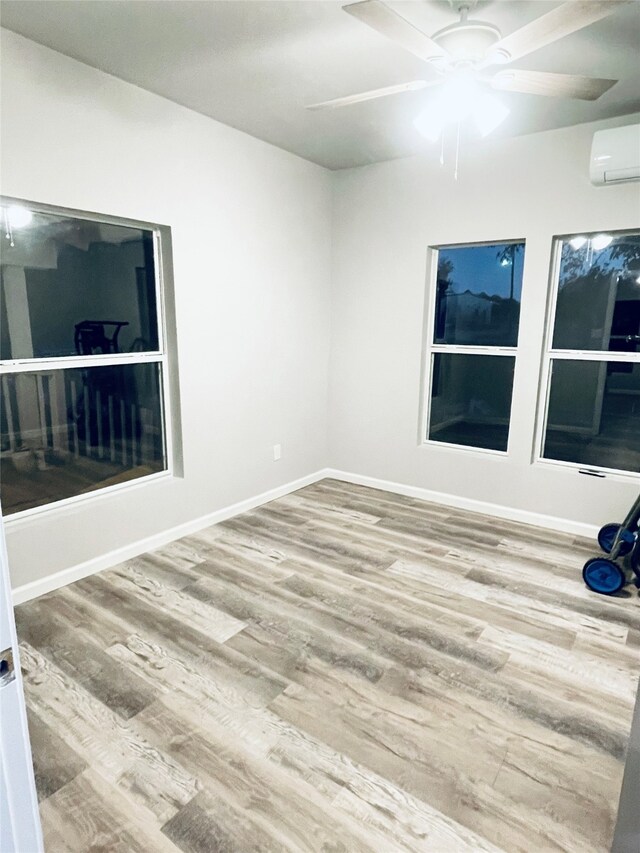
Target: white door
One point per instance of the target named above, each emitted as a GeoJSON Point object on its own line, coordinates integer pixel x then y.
{"type": "Point", "coordinates": [19, 819]}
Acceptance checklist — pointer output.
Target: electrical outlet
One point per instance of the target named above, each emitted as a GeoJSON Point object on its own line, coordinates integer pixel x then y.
{"type": "Point", "coordinates": [277, 452]}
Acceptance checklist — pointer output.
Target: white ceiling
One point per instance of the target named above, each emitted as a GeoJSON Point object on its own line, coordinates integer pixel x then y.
{"type": "Point", "coordinates": [254, 64]}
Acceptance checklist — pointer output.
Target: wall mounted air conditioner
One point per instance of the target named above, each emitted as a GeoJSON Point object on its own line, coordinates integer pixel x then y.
{"type": "Point", "coordinates": [615, 155]}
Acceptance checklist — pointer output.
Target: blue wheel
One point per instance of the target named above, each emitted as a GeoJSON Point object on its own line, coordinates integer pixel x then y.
{"type": "Point", "coordinates": [607, 535]}
{"type": "Point", "coordinates": [603, 576]}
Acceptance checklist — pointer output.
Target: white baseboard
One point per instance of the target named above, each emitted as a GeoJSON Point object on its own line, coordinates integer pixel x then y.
{"type": "Point", "coordinates": [551, 522]}
{"type": "Point", "coordinates": [106, 561]}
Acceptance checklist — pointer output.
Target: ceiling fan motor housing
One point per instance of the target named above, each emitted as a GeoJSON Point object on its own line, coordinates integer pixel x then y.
{"type": "Point", "coordinates": [467, 41]}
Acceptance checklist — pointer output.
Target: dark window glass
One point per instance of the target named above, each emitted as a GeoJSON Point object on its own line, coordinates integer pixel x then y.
{"type": "Point", "coordinates": [478, 293]}
{"type": "Point", "coordinates": [70, 431]}
{"type": "Point", "coordinates": [593, 417]}
{"type": "Point", "coordinates": [471, 400]}
{"type": "Point", "coordinates": [598, 305]}
{"type": "Point", "coordinates": [72, 286]}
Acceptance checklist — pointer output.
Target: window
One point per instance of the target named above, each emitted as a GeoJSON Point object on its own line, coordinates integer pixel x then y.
{"type": "Point", "coordinates": [591, 367]}
{"type": "Point", "coordinates": [83, 365]}
{"type": "Point", "coordinates": [474, 316]}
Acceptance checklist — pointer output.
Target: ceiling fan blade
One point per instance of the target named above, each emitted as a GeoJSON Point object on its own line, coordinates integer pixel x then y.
{"type": "Point", "coordinates": [394, 27]}
{"type": "Point", "coordinates": [413, 86]}
{"type": "Point", "coordinates": [554, 85]}
{"type": "Point", "coordinates": [556, 24]}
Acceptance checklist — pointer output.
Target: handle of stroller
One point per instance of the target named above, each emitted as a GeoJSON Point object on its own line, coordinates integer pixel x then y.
{"type": "Point", "coordinates": [632, 519]}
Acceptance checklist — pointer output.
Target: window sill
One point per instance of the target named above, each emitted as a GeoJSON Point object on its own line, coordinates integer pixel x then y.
{"type": "Point", "coordinates": [444, 445]}
{"type": "Point", "coordinates": [575, 468]}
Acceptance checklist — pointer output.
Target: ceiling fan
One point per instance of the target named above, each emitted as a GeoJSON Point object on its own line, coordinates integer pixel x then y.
{"type": "Point", "coordinates": [469, 56]}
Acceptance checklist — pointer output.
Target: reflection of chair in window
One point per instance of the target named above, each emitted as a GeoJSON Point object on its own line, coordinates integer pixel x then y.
{"type": "Point", "coordinates": [91, 336]}
{"type": "Point", "coordinates": [106, 410]}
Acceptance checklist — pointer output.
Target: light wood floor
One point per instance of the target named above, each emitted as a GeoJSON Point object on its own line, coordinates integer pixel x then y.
{"type": "Point", "coordinates": [341, 670]}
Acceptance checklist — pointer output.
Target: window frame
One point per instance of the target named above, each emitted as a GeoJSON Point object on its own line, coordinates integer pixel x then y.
{"type": "Point", "coordinates": [430, 349]}
{"type": "Point", "coordinates": [549, 354]}
{"type": "Point", "coordinates": [169, 409]}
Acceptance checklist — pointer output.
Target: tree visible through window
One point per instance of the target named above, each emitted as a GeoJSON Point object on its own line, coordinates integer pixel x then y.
{"type": "Point", "coordinates": [592, 367]}
{"type": "Point", "coordinates": [475, 322]}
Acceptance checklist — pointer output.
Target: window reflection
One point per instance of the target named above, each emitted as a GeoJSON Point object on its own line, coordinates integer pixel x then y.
{"type": "Point", "coordinates": [598, 303]}
{"type": "Point", "coordinates": [71, 431]}
{"type": "Point", "coordinates": [594, 414]}
{"type": "Point", "coordinates": [478, 294]}
{"type": "Point", "coordinates": [60, 272]}
{"type": "Point", "coordinates": [471, 400]}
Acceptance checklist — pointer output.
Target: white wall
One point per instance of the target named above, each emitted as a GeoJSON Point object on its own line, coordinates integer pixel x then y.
{"type": "Point", "coordinates": [385, 217]}
{"type": "Point", "coordinates": [265, 286]}
{"type": "Point", "coordinates": [251, 246]}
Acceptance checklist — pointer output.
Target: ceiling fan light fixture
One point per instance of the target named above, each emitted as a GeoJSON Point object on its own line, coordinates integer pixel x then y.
{"type": "Point", "coordinates": [459, 95]}
{"type": "Point", "coordinates": [460, 98]}
{"type": "Point", "coordinates": [601, 241]}
{"type": "Point", "coordinates": [430, 123]}
{"type": "Point", "coordinates": [577, 242]}
{"type": "Point", "coordinates": [454, 103]}
{"type": "Point", "coordinates": [489, 112]}
{"type": "Point", "coordinates": [18, 216]}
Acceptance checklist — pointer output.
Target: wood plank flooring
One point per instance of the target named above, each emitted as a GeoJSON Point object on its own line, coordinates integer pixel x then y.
{"type": "Point", "coordinates": [340, 670]}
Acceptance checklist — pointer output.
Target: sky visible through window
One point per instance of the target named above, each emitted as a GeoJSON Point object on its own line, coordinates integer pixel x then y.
{"type": "Point", "coordinates": [479, 269]}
